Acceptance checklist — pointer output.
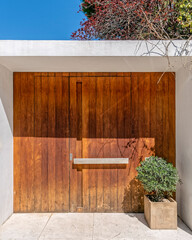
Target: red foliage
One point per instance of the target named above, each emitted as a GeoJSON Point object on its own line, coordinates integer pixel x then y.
{"type": "Point", "coordinates": [130, 19]}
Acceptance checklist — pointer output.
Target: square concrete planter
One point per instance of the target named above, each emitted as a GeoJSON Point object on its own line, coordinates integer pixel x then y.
{"type": "Point", "coordinates": [161, 215]}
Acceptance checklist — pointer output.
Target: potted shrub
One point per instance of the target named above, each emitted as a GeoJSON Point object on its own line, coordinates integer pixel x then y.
{"type": "Point", "coordinates": [159, 179]}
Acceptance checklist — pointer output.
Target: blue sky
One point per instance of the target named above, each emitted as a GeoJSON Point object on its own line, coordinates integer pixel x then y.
{"type": "Point", "coordinates": [39, 19]}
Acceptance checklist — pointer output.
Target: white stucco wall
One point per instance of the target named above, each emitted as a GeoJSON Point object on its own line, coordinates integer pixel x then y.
{"type": "Point", "coordinates": [6, 143]}
{"type": "Point", "coordinates": [184, 143]}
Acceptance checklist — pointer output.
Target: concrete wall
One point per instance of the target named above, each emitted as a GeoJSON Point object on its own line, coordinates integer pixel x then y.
{"type": "Point", "coordinates": [95, 48]}
{"type": "Point", "coordinates": [6, 143]}
{"type": "Point", "coordinates": [184, 143]}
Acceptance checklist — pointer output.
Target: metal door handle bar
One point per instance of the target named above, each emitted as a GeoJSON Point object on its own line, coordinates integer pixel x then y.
{"type": "Point", "coordinates": [101, 160]}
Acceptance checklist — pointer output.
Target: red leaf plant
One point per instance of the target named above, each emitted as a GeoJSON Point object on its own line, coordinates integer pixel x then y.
{"type": "Point", "coordinates": [131, 19]}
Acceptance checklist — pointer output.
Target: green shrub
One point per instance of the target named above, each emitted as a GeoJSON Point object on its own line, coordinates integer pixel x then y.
{"type": "Point", "coordinates": [185, 13]}
{"type": "Point", "coordinates": [158, 177]}
{"type": "Point", "coordinates": [88, 9]}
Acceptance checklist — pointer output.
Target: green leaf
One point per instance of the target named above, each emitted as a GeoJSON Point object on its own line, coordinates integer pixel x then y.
{"type": "Point", "coordinates": [157, 175]}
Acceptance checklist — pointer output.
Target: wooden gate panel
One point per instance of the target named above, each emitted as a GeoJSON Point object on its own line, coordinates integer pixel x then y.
{"type": "Point", "coordinates": [127, 128]}
{"type": "Point", "coordinates": [130, 115]}
{"type": "Point", "coordinates": [41, 143]}
{"type": "Point", "coordinates": [107, 133]}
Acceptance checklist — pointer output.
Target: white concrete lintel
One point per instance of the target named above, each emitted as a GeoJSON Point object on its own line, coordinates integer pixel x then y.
{"type": "Point", "coordinates": [95, 48]}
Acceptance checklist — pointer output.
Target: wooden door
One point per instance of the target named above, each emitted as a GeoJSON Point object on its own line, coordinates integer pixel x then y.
{"type": "Point", "coordinates": [103, 125]}
{"type": "Point", "coordinates": [41, 142]}
{"type": "Point", "coordinates": [62, 116]}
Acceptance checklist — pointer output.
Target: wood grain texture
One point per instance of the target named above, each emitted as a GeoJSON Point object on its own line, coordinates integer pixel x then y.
{"type": "Point", "coordinates": [37, 145]}
{"type": "Point", "coordinates": [93, 146]}
{"type": "Point", "coordinates": [16, 142]}
{"type": "Point", "coordinates": [91, 115]}
{"type": "Point", "coordinates": [85, 143]}
{"type": "Point", "coordinates": [106, 144]}
{"type": "Point", "coordinates": [99, 139]}
{"type": "Point", "coordinates": [41, 135]}
{"type": "Point", "coordinates": [73, 192]}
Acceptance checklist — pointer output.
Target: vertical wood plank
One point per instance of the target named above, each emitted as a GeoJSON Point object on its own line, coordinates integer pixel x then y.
{"type": "Point", "coordinates": [153, 105]}
{"type": "Point", "coordinates": [59, 157]}
{"type": "Point", "coordinates": [44, 146]}
{"type": "Point", "coordinates": [100, 141]}
{"type": "Point", "coordinates": [78, 153]}
{"type": "Point", "coordinates": [51, 142]}
{"type": "Point", "coordinates": [23, 130]}
{"type": "Point", "coordinates": [165, 83]}
{"type": "Point", "coordinates": [120, 138]}
{"type": "Point", "coordinates": [127, 198]}
{"type": "Point", "coordinates": [79, 109]}
{"type": "Point", "coordinates": [114, 146]}
{"type": "Point", "coordinates": [107, 143]}
{"type": "Point", "coordinates": [65, 134]}
{"type": "Point", "coordinates": [141, 97]}
{"type": "Point", "coordinates": [26, 155]}
{"type": "Point", "coordinates": [134, 105]}
{"type": "Point", "coordinates": [92, 145]}
{"type": "Point", "coordinates": [146, 105]}
{"type": "Point", "coordinates": [172, 118]}
{"type": "Point", "coordinates": [127, 106]}
{"type": "Point", "coordinates": [16, 133]}
{"type": "Point", "coordinates": [85, 136]}
{"type": "Point", "coordinates": [30, 142]}
{"type": "Point", "coordinates": [159, 115]}
{"type": "Point", "coordinates": [135, 137]}
{"type": "Point", "coordinates": [79, 178]}
{"type": "Point", "coordinates": [73, 139]}
{"type": "Point", "coordinates": [79, 140]}
{"type": "Point", "coordinates": [37, 145]}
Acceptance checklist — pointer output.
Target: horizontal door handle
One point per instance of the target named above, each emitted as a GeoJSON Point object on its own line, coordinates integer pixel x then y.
{"type": "Point", "coordinates": [101, 160]}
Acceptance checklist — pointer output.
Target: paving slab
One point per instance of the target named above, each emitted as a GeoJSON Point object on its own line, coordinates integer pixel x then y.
{"type": "Point", "coordinates": [24, 226]}
{"type": "Point", "coordinates": [134, 227]}
{"type": "Point", "coordinates": [69, 226]}
{"type": "Point", "coordinates": [86, 226]}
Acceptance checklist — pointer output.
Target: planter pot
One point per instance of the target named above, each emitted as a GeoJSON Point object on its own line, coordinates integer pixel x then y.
{"type": "Point", "coordinates": [160, 215]}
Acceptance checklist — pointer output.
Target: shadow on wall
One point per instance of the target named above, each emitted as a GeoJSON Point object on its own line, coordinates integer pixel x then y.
{"type": "Point", "coordinates": [6, 93]}
{"type": "Point", "coordinates": [134, 192]}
